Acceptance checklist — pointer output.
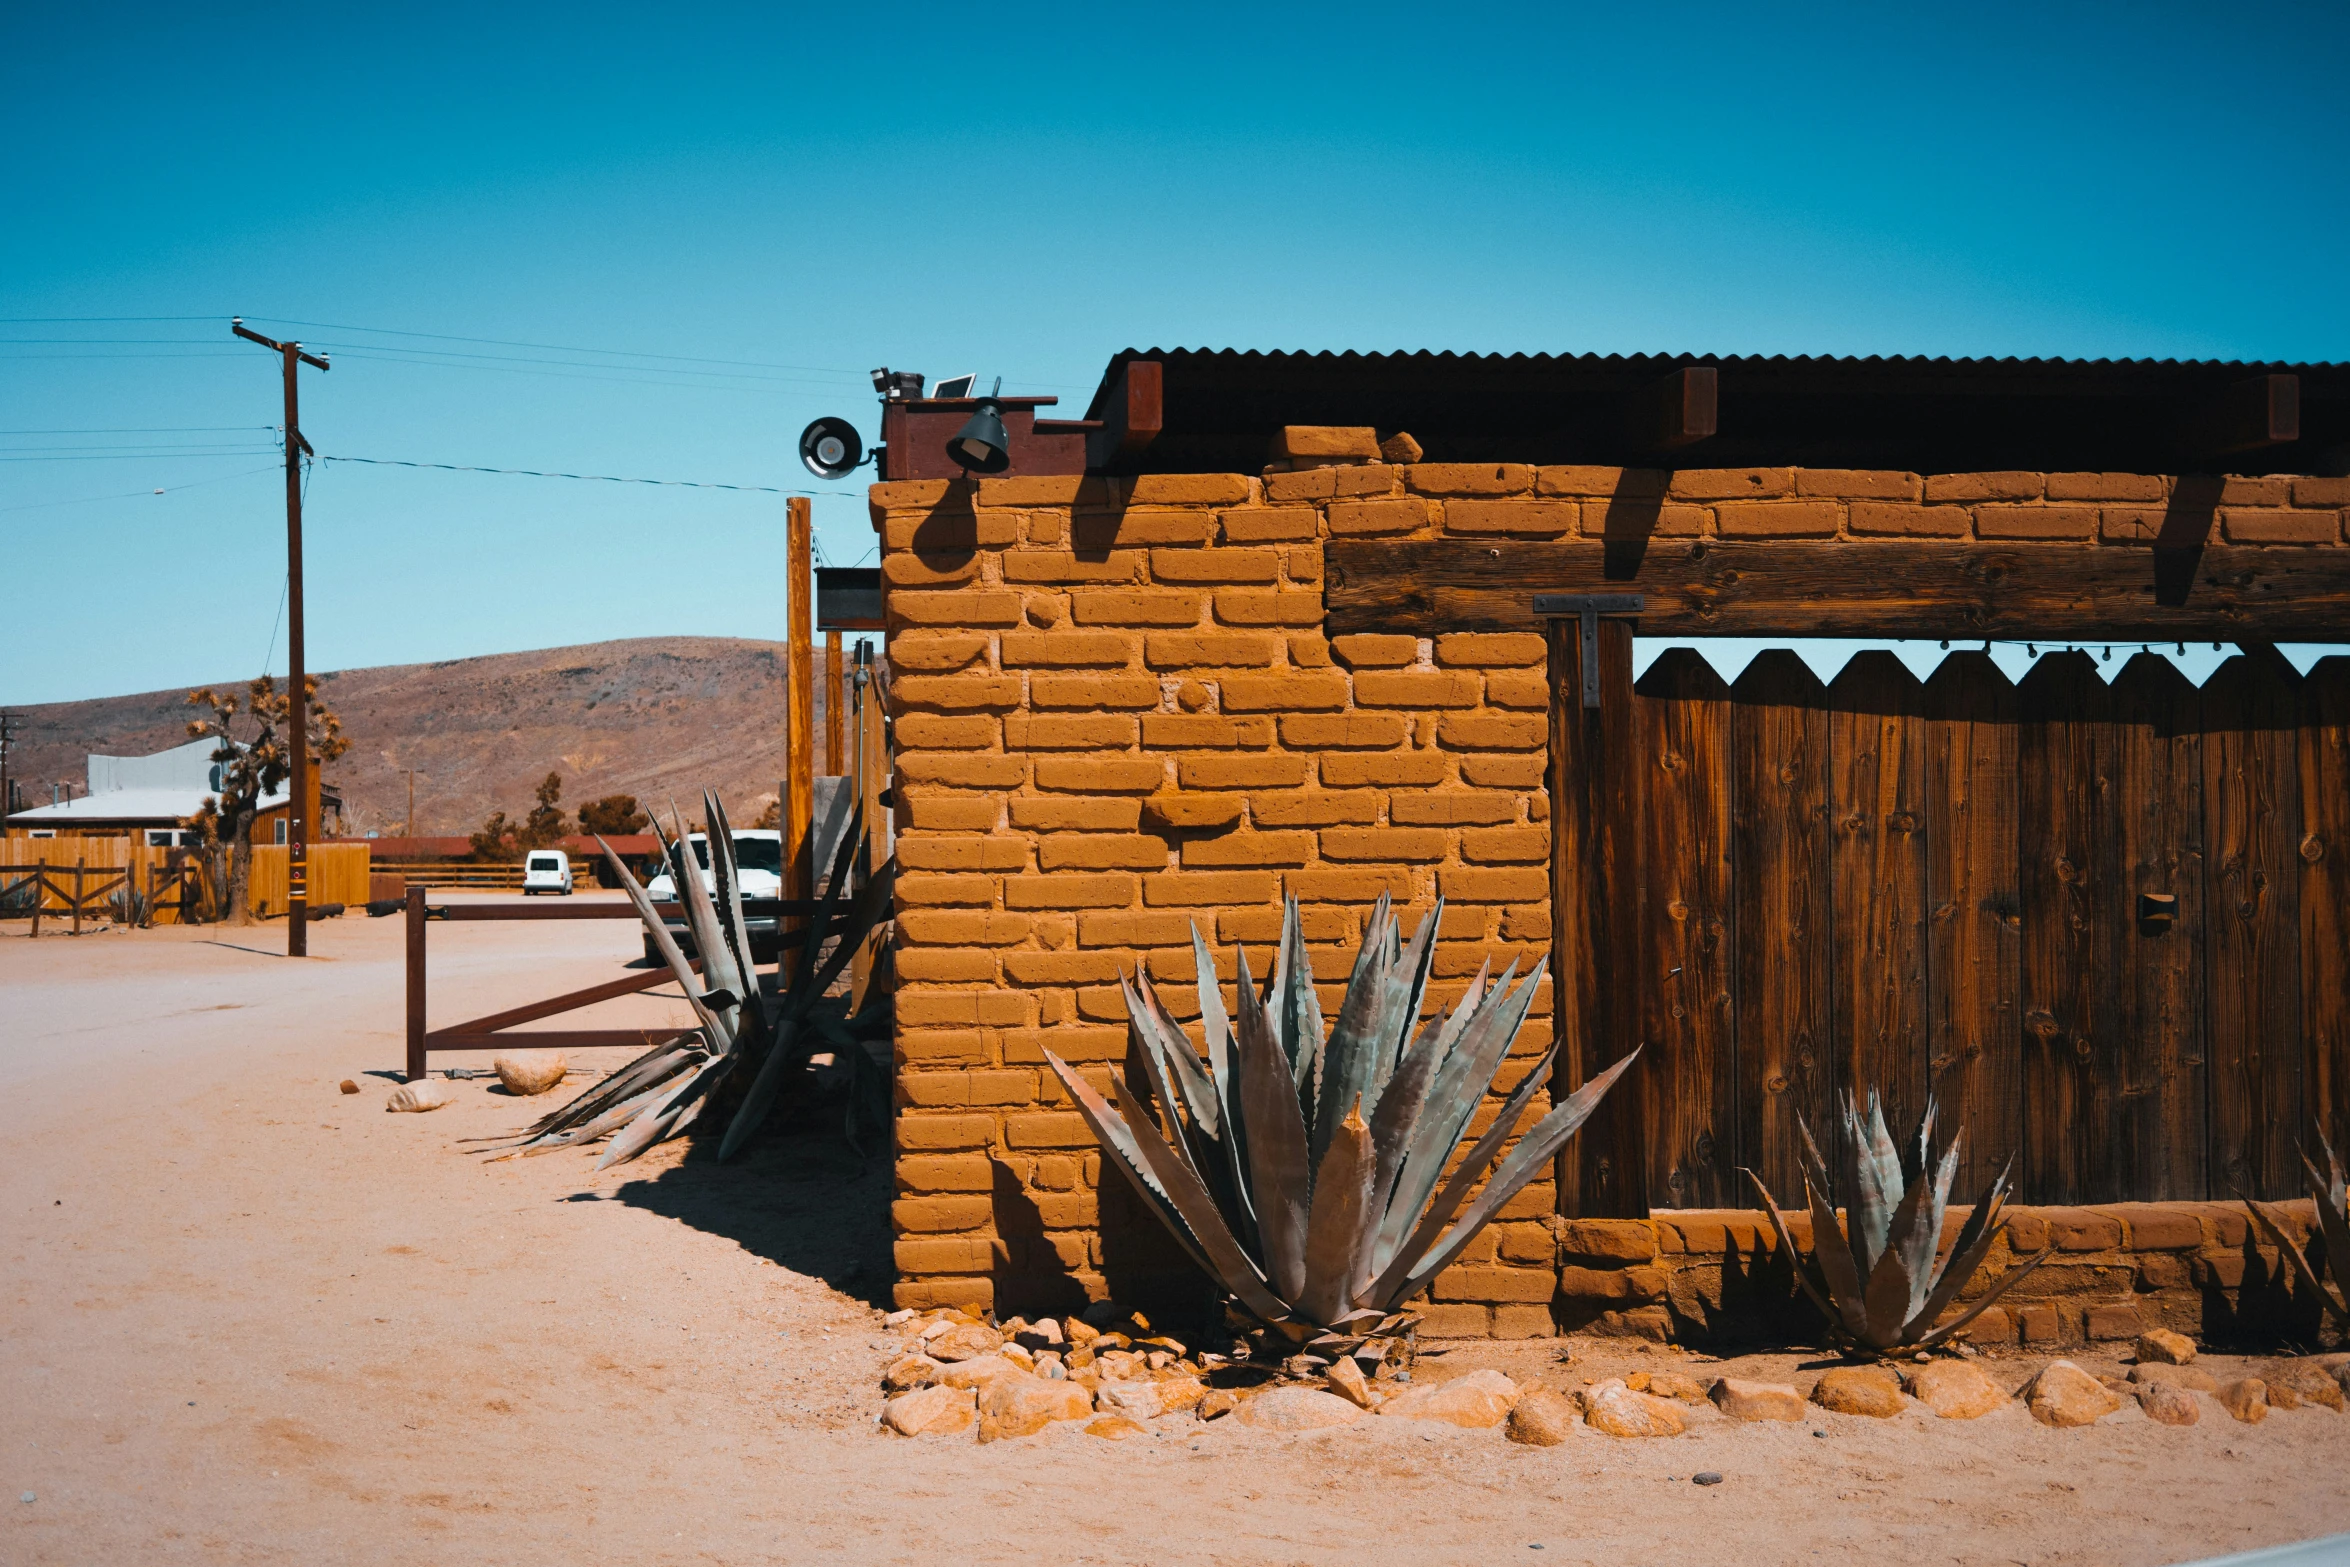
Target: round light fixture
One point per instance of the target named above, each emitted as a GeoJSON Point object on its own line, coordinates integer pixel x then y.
{"type": "Point", "coordinates": [831, 448]}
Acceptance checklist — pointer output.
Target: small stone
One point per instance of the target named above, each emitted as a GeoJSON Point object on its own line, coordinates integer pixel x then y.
{"type": "Point", "coordinates": [1048, 1366]}
{"type": "Point", "coordinates": [1024, 1405]}
{"type": "Point", "coordinates": [28, 1498]}
{"type": "Point", "coordinates": [1346, 1379]}
{"type": "Point", "coordinates": [1743, 1400]}
{"type": "Point", "coordinates": [2168, 1403]}
{"type": "Point", "coordinates": [2246, 1399]}
{"type": "Point", "coordinates": [1217, 1402]}
{"type": "Point", "coordinates": [1113, 1428]}
{"type": "Point", "coordinates": [1298, 1409]}
{"type": "Point", "coordinates": [1042, 1335]}
{"type": "Point", "coordinates": [2065, 1395]}
{"type": "Point", "coordinates": [2309, 1382]}
{"type": "Point", "coordinates": [529, 1072]}
{"type": "Point", "coordinates": [1541, 1418]}
{"type": "Point", "coordinates": [1706, 1477]}
{"type": "Point", "coordinates": [894, 1318]}
{"type": "Point", "coordinates": [2160, 1346]}
{"type": "Point", "coordinates": [1134, 1400]}
{"type": "Point", "coordinates": [1955, 1389]}
{"type": "Point", "coordinates": [1615, 1409]}
{"type": "Point", "coordinates": [424, 1094]}
{"type": "Point", "coordinates": [1082, 1332]}
{"type": "Point", "coordinates": [908, 1372]}
{"type": "Point", "coordinates": [930, 1411]}
{"type": "Point", "coordinates": [1859, 1390]}
{"type": "Point", "coordinates": [980, 1371]}
{"type": "Point", "coordinates": [2281, 1395]}
{"type": "Point", "coordinates": [349, 1087]}
{"type": "Point", "coordinates": [1637, 1381]}
{"type": "Point", "coordinates": [1018, 1357]}
{"type": "Point", "coordinates": [1676, 1385]}
{"type": "Point", "coordinates": [2193, 1379]}
{"type": "Point", "coordinates": [964, 1341]}
{"type": "Point", "coordinates": [1476, 1401]}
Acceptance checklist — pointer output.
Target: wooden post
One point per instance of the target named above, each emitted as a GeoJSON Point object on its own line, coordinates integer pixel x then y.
{"type": "Point", "coordinates": [40, 893]}
{"type": "Point", "coordinates": [77, 896]}
{"type": "Point", "coordinates": [834, 718]}
{"type": "Point", "coordinates": [800, 700]}
{"type": "Point", "coordinates": [415, 922]}
{"type": "Point", "coordinates": [873, 754]}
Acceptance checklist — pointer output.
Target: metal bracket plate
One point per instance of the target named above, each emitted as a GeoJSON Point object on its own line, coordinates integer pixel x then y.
{"type": "Point", "coordinates": [1588, 607]}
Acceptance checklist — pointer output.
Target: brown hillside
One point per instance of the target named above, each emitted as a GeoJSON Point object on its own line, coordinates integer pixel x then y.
{"type": "Point", "coordinates": [656, 717]}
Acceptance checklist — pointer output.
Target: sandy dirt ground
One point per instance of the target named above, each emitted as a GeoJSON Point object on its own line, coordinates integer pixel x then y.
{"type": "Point", "coordinates": [248, 1318]}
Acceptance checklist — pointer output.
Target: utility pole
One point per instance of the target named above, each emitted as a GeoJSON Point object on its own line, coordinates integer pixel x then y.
{"type": "Point", "coordinates": [411, 772]}
{"type": "Point", "coordinates": [8, 723]}
{"type": "Point", "coordinates": [297, 696]}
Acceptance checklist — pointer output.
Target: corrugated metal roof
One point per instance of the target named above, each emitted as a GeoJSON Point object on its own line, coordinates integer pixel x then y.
{"type": "Point", "coordinates": [1223, 406]}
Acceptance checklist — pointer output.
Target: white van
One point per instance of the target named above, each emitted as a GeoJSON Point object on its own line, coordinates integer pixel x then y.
{"type": "Point", "coordinates": [546, 870]}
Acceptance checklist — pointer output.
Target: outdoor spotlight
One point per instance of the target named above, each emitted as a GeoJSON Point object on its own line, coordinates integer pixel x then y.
{"type": "Point", "coordinates": [831, 448]}
{"type": "Point", "coordinates": [897, 385]}
{"type": "Point", "coordinates": [981, 445]}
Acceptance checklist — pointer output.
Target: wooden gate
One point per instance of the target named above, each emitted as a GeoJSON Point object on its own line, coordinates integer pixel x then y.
{"type": "Point", "coordinates": [2106, 926]}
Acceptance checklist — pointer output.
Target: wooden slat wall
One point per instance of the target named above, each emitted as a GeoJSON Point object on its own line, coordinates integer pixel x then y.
{"type": "Point", "coordinates": [1782, 891]}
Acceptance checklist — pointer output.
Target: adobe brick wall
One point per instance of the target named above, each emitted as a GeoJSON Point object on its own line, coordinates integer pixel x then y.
{"type": "Point", "coordinates": [2199, 1268]}
{"type": "Point", "coordinates": [1117, 715]}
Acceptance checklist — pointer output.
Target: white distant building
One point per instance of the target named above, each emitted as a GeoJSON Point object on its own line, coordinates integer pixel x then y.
{"type": "Point", "coordinates": [152, 795]}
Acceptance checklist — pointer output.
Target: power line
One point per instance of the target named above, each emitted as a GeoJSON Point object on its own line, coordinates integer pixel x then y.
{"type": "Point", "coordinates": [562, 348]}
{"type": "Point", "coordinates": [122, 495]}
{"type": "Point", "coordinates": [596, 478]}
{"type": "Point", "coordinates": [151, 429]}
{"type": "Point", "coordinates": [168, 451]}
{"type": "Point", "coordinates": [86, 320]}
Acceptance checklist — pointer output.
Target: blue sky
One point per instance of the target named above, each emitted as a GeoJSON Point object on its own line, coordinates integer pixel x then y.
{"type": "Point", "coordinates": [784, 198]}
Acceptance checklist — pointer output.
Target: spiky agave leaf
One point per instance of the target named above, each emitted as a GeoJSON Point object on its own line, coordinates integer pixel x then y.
{"type": "Point", "coordinates": [1301, 1170]}
{"type": "Point", "coordinates": [1879, 1287]}
{"type": "Point", "coordinates": [2329, 1199]}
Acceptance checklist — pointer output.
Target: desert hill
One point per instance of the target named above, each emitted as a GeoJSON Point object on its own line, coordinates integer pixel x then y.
{"type": "Point", "coordinates": [656, 717]}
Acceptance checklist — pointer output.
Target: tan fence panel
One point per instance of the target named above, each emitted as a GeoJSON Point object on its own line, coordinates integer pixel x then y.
{"type": "Point", "coordinates": [338, 874]}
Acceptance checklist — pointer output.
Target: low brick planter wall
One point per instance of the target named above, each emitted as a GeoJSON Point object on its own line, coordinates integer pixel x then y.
{"type": "Point", "coordinates": [2199, 1268]}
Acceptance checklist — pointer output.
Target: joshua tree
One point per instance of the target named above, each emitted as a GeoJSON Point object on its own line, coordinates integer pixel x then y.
{"type": "Point", "coordinates": [1881, 1289]}
{"type": "Point", "coordinates": [1307, 1175]}
{"type": "Point", "coordinates": [614, 816]}
{"type": "Point", "coordinates": [500, 839]}
{"type": "Point", "coordinates": [250, 770]}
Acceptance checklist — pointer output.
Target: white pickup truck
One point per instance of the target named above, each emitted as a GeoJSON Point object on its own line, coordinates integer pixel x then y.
{"type": "Point", "coordinates": [758, 859]}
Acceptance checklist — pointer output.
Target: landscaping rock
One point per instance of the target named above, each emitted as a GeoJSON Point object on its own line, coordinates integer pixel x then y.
{"type": "Point", "coordinates": [2309, 1382]}
{"type": "Point", "coordinates": [1742, 1400]}
{"type": "Point", "coordinates": [1541, 1418]}
{"type": "Point", "coordinates": [2190, 1379]}
{"type": "Point", "coordinates": [1478, 1400]}
{"type": "Point", "coordinates": [349, 1087]}
{"type": "Point", "coordinates": [1618, 1411]}
{"type": "Point", "coordinates": [2281, 1395]}
{"type": "Point", "coordinates": [2246, 1399]}
{"type": "Point", "coordinates": [1954, 1389]}
{"type": "Point", "coordinates": [1217, 1402]}
{"type": "Point", "coordinates": [1042, 1335]}
{"type": "Point", "coordinates": [1113, 1428]}
{"type": "Point", "coordinates": [1298, 1409]}
{"type": "Point", "coordinates": [529, 1072]}
{"type": "Point", "coordinates": [1018, 1356]}
{"type": "Point", "coordinates": [1678, 1386]}
{"type": "Point", "coordinates": [963, 1341]}
{"type": "Point", "coordinates": [1024, 1405]}
{"type": "Point", "coordinates": [1180, 1392]}
{"type": "Point", "coordinates": [982, 1372]}
{"type": "Point", "coordinates": [1859, 1390]}
{"type": "Point", "coordinates": [2169, 1403]}
{"type": "Point", "coordinates": [930, 1411]}
{"type": "Point", "coordinates": [908, 1372]}
{"type": "Point", "coordinates": [2065, 1395]}
{"type": "Point", "coordinates": [425, 1093]}
{"type": "Point", "coordinates": [2162, 1347]}
{"type": "Point", "coordinates": [1346, 1379]}
{"type": "Point", "coordinates": [1147, 1399]}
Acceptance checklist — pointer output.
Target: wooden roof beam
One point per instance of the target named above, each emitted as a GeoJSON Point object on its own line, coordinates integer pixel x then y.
{"type": "Point", "coordinates": [2253, 414]}
{"type": "Point", "coordinates": [1676, 410]}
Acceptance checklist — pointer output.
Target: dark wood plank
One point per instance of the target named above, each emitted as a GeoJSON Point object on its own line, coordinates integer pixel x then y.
{"type": "Point", "coordinates": [2324, 853]}
{"type": "Point", "coordinates": [1685, 985]}
{"type": "Point", "coordinates": [1575, 952]}
{"type": "Point", "coordinates": [1601, 763]}
{"type": "Point", "coordinates": [2251, 804]}
{"type": "Point", "coordinates": [1974, 1031]}
{"type": "Point", "coordinates": [2159, 1134]}
{"type": "Point", "coordinates": [2066, 867]}
{"type": "Point", "coordinates": [1847, 588]}
{"type": "Point", "coordinates": [1877, 856]}
{"type": "Point", "coordinates": [1783, 919]}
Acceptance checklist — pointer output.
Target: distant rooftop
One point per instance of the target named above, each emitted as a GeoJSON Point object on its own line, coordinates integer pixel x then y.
{"type": "Point", "coordinates": [1220, 410]}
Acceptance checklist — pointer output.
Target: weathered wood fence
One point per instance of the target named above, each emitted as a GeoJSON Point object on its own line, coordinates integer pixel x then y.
{"type": "Point", "coordinates": [2106, 926]}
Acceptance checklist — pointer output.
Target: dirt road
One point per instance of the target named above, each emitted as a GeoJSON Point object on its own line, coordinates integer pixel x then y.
{"type": "Point", "coordinates": [248, 1318]}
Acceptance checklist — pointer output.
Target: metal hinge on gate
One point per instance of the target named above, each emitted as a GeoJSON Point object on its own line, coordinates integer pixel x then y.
{"type": "Point", "coordinates": [1588, 607]}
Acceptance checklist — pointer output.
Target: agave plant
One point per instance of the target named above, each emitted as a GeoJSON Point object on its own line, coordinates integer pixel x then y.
{"type": "Point", "coordinates": [749, 1044]}
{"type": "Point", "coordinates": [1307, 1174]}
{"type": "Point", "coordinates": [2330, 1194]}
{"type": "Point", "coordinates": [1880, 1289]}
